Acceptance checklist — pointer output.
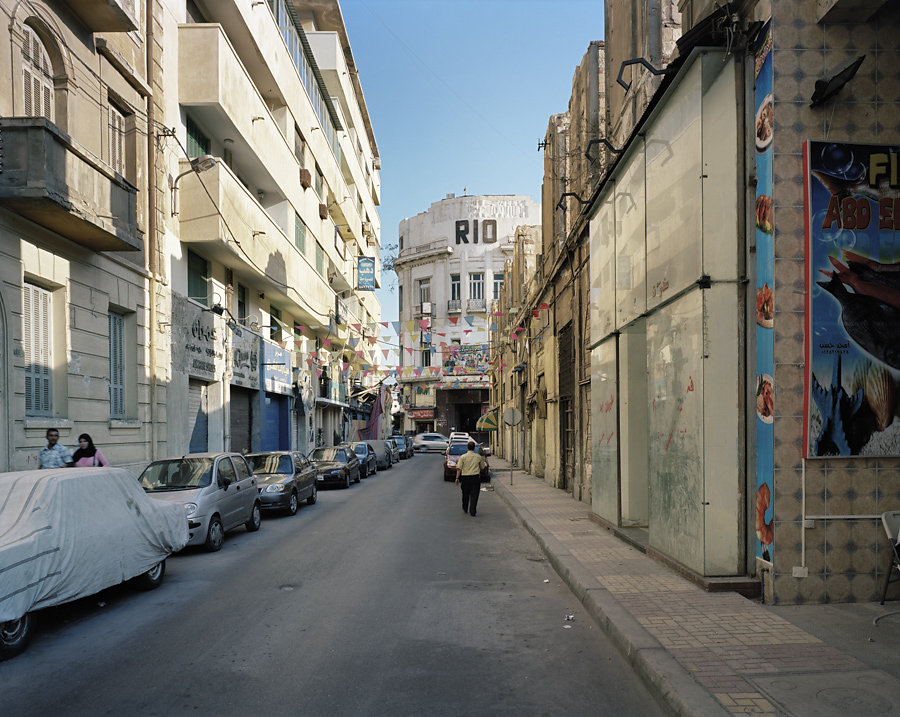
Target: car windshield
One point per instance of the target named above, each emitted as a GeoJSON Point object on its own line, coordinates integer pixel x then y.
{"type": "Point", "coordinates": [360, 449]}
{"type": "Point", "coordinates": [401, 441]}
{"type": "Point", "coordinates": [329, 454]}
{"type": "Point", "coordinates": [177, 474]}
{"type": "Point", "coordinates": [270, 463]}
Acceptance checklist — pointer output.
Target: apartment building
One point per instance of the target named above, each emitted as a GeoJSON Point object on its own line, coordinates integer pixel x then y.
{"type": "Point", "coordinates": [450, 268]}
{"type": "Point", "coordinates": [189, 213]}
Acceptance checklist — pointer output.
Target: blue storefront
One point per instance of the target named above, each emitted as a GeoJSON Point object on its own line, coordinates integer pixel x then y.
{"type": "Point", "coordinates": [275, 399]}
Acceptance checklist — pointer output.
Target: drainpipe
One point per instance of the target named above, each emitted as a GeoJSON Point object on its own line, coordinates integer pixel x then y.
{"type": "Point", "coordinates": [153, 244]}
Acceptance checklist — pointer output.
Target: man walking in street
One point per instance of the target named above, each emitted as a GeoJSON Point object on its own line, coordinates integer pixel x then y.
{"type": "Point", "coordinates": [55, 455]}
{"type": "Point", "coordinates": [468, 475]}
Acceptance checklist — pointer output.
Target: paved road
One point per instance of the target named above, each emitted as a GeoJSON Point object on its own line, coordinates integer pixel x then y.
{"type": "Point", "coordinates": [385, 599]}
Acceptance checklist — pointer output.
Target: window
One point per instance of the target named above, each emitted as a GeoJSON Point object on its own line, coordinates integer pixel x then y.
{"type": "Point", "coordinates": [198, 278]}
{"type": "Point", "coordinates": [424, 290]}
{"type": "Point", "coordinates": [197, 141]}
{"type": "Point", "coordinates": [299, 147]}
{"type": "Point", "coordinates": [455, 288]}
{"type": "Point", "coordinates": [400, 299]}
{"type": "Point", "coordinates": [320, 259]}
{"type": "Point", "coordinates": [320, 184]}
{"type": "Point", "coordinates": [242, 303]}
{"type": "Point", "coordinates": [37, 76]}
{"type": "Point", "coordinates": [116, 139]}
{"type": "Point", "coordinates": [274, 323]}
{"type": "Point", "coordinates": [299, 233]}
{"type": "Point", "coordinates": [38, 359]}
{"type": "Point", "coordinates": [116, 365]}
{"type": "Point", "coordinates": [476, 285]}
{"type": "Point", "coordinates": [426, 352]}
{"type": "Point", "coordinates": [498, 284]}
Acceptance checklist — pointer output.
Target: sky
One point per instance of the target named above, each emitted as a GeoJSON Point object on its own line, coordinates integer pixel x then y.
{"type": "Point", "coordinates": [459, 93]}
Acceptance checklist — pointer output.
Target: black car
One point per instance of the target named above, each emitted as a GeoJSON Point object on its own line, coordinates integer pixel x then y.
{"type": "Point", "coordinates": [404, 443]}
{"type": "Point", "coordinates": [284, 478]}
{"type": "Point", "coordinates": [367, 458]}
{"type": "Point", "coordinates": [336, 465]}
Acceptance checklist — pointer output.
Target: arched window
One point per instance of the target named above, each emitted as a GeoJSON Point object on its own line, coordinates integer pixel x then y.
{"type": "Point", "coordinates": [38, 77]}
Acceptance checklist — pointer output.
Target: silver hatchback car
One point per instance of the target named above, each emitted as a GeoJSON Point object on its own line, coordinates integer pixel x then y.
{"type": "Point", "coordinates": [218, 491]}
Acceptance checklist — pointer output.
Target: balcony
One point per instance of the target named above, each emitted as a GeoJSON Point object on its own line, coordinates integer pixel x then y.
{"type": "Point", "coordinates": [49, 179]}
{"type": "Point", "coordinates": [454, 306]}
{"type": "Point", "coordinates": [476, 305]}
{"type": "Point", "coordinates": [258, 246]}
{"type": "Point", "coordinates": [430, 250]}
{"type": "Point", "coordinates": [106, 15]}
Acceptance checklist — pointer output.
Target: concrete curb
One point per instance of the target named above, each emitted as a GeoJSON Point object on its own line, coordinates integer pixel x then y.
{"type": "Point", "coordinates": [670, 683]}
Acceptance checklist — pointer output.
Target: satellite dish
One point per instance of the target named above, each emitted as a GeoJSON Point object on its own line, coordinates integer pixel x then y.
{"type": "Point", "coordinates": [512, 416]}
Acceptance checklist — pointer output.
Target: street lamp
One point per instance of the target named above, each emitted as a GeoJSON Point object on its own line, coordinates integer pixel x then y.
{"type": "Point", "coordinates": [198, 164]}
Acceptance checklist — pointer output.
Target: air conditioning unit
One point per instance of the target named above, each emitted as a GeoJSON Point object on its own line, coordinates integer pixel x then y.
{"type": "Point", "coordinates": [305, 178]}
{"type": "Point", "coordinates": [376, 162]}
{"type": "Point", "coordinates": [367, 229]}
{"type": "Point", "coordinates": [323, 211]}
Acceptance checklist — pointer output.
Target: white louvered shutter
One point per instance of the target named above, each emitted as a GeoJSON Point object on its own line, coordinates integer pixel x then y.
{"type": "Point", "coordinates": [116, 140]}
{"type": "Point", "coordinates": [116, 366]}
{"type": "Point", "coordinates": [36, 315]}
{"type": "Point", "coordinates": [37, 77]}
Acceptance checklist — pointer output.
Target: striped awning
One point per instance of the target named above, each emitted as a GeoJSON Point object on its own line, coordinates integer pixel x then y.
{"type": "Point", "coordinates": [488, 422]}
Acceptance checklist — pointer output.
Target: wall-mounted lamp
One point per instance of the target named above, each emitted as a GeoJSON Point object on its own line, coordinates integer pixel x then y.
{"type": "Point", "coordinates": [198, 164]}
{"type": "Point", "coordinates": [231, 323]}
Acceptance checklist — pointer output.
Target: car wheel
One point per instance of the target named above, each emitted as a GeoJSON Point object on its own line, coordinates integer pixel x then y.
{"type": "Point", "coordinates": [15, 636]}
{"type": "Point", "coordinates": [347, 481]}
{"type": "Point", "coordinates": [215, 535]}
{"type": "Point", "coordinates": [293, 504]}
{"type": "Point", "coordinates": [314, 496]}
{"type": "Point", "coordinates": [255, 519]}
{"type": "Point", "coordinates": [153, 578]}
{"type": "Point", "coordinates": [358, 475]}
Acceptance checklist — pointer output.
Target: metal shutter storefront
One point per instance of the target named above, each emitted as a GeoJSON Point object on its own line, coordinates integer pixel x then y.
{"type": "Point", "coordinates": [197, 417]}
{"type": "Point", "coordinates": [241, 417]}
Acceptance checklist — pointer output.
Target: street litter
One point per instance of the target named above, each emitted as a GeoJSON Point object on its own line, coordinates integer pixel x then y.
{"type": "Point", "coordinates": [567, 627]}
{"type": "Point", "coordinates": [547, 581]}
{"type": "Point", "coordinates": [570, 617]}
{"type": "Point", "coordinates": [487, 488]}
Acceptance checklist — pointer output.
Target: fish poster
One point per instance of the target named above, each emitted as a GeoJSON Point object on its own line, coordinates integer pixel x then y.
{"type": "Point", "coordinates": [852, 216]}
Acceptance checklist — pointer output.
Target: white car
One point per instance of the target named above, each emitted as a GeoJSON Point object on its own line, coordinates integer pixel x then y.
{"type": "Point", "coordinates": [71, 532]}
{"type": "Point", "coordinates": [431, 442]}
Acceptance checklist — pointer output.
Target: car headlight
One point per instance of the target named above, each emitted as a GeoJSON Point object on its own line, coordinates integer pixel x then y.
{"type": "Point", "coordinates": [190, 508]}
{"type": "Point", "coordinates": [278, 488]}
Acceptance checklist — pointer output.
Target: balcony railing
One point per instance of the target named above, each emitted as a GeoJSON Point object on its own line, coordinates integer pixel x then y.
{"type": "Point", "coordinates": [454, 306]}
{"type": "Point", "coordinates": [476, 305]}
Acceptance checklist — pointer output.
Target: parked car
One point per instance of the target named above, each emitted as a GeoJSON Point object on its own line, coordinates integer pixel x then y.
{"type": "Point", "coordinates": [367, 458]}
{"type": "Point", "coordinates": [384, 453]}
{"type": "Point", "coordinates": [284, 478]}
{"type": "Point", "coordinates": [452, 456]}
{"type": "Point", "coordinates": [395, 449]}
{"type": "Point", "coordinates": [404, 445]}
{"type": "Point", "coordinates": [69, 533]}
{"type": "Point", "coordinates": [218, 492]}
{"type": "Point", "coordinates": [336, 465]}
{"type": "Point", "coordinates": [430, 442]}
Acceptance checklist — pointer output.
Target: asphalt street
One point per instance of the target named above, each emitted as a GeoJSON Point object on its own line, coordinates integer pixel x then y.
{"type": "Point", "coordinates": [384, 599]}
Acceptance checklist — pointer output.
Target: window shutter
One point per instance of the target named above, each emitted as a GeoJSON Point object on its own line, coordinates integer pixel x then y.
{"type": "Point", "coordinates": [116, 140]}
{"type": "Point", "coordinates": [36, 316]}
{"type": "Point", "coordinates": [116, 366]}
{"type": "Point", "coordinates": [37, 77]}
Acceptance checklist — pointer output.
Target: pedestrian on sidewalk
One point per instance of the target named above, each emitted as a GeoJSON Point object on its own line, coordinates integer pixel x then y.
{"type": "Point", "coordinates": [88, 455]}
{"type": "Point", "coordinates": [468, 475]}
{"type": "Point", "coordinates": [54, 455]}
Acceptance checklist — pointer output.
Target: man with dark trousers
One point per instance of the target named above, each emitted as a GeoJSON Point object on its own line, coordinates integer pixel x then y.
{"type": "Point", "coordinates": [468, 475]}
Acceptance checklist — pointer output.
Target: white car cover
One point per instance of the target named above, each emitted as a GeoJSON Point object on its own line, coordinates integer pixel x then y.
{"type": "Point", "coordinates": [71, 532]}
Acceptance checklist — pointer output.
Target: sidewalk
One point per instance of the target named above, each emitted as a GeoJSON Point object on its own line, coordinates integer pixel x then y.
{"type": "Point", "coordinates": [712, 653]}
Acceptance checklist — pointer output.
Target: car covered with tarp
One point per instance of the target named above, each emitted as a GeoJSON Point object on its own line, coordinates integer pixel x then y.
{"type": "Point", "coordinates": [71, 532]}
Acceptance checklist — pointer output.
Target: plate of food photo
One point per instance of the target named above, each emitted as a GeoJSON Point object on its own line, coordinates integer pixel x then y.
{"type": "Point", "coordinates": [765, 123]}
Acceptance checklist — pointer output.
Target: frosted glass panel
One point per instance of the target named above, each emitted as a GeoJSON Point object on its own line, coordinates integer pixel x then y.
{"type": "Point", "coordinates": [675, 350]}
{"type": "Point", "coordinates": [674, 166]}
{"type": "Point", "coordinates": [602, 267]}
{"type": "Point", "coordinates": [604, 412]}
{"type": "Point", "coordinates": [631, 269]}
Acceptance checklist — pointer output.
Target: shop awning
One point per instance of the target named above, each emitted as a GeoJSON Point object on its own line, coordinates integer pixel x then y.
{"type": "Point", "coordinates": [488, 422]}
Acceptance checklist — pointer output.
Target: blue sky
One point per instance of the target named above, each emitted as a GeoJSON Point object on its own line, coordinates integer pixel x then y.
{"type": "Point", "coordinates": [459, 92]}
